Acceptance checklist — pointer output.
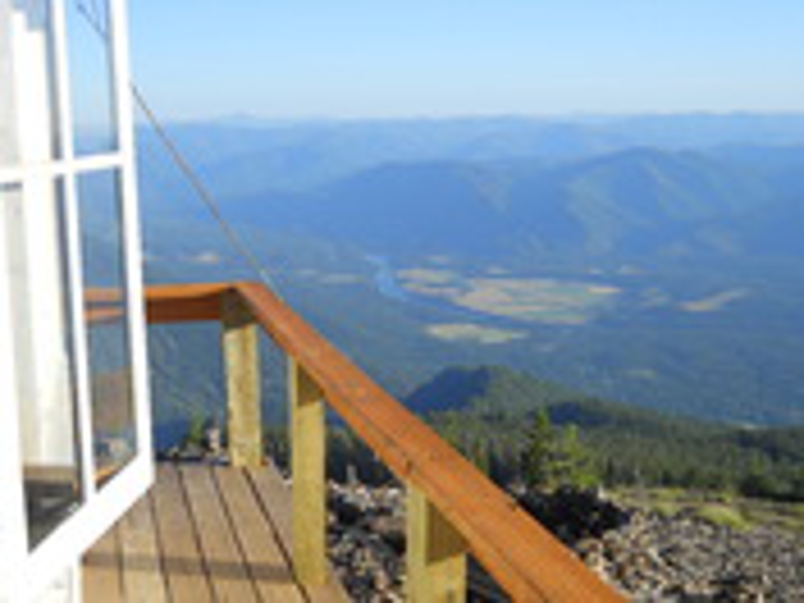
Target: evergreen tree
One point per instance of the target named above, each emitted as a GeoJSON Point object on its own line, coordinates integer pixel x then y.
{"type": "Point", "coordinates": [538, 456]}
{"type": "Point", "coordinates": [554, 458]}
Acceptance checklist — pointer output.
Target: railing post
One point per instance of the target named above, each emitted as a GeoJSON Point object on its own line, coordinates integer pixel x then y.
{"type": "Point", "coordinates": [242, 366]}
{"type": "Point", "coordinates": [436, 554]}
{"type": "Point", "coordinates": [308, 458]}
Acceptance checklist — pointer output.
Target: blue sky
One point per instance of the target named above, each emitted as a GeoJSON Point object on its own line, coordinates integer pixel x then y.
{"type": "Point", "coordinates": [388, 58]}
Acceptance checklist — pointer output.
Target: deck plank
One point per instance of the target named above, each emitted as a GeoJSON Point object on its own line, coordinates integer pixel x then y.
{"type": "Point", "coordinates": [142, 575]}
{"type": "Point", "coordinates": [222, 556]}
{"type": "Point", "coordinates": [185, 574]}
{"type": "Point", "coordinates": [101, 576]}
{"type": "Point", "coordinates": [277, 504]}
{"type": "Point", "coordinates": [266, 562]}
{"type": "Point", "coordinates": [202, 534]}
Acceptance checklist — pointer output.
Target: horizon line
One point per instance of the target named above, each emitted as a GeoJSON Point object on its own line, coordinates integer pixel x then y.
{"type": "Point", "coordinates": [245, 117]}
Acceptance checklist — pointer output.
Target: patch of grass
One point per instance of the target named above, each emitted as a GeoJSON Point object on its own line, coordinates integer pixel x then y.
{"type": "Point", "coordinates": [781, 515]}
{"type": "Point", "coordinates": [650, 497]}
{"type": "Point", "coordinates": [666, 508]}
{"type": "Point", "coordinates": [722, 515]}
{"type": "Point", "coordinates": [720, 508]}
{"type": "Point", "coordinates": [797, 517]}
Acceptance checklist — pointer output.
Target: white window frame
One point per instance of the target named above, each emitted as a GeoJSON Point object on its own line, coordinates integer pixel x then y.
{"type": "Point", "coordinates": [23, 572]}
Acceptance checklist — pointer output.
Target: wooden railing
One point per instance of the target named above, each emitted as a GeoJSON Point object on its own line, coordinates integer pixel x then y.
{"type": "Point", "coordinates": [452, 508]}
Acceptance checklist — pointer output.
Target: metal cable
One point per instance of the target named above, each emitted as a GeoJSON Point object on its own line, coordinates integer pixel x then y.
{"type": "Point", "coordinates": [184, 166]}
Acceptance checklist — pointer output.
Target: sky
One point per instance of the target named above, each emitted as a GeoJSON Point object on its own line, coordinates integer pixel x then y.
{"type": "Point", "coordinates": [295, 59]}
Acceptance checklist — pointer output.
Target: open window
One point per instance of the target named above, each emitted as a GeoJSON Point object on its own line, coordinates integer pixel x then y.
{"type": "Point", "coordinates": [73, 384]}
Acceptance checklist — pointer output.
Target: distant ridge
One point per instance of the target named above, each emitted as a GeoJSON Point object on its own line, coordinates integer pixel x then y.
{"type": "Point", "coordinates": [640, 201]}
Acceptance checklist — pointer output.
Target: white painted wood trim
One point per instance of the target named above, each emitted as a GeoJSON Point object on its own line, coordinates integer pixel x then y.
{"type": "Point", "coordinates": [131, 226]}
{"type": "Point", "coordinates": [13, 526]}
{"type": "Point", "coordinates": [72, 230]}
{"type": "Point", "coordinates": [62, 167]}
{"type": "Point", "coordinates": [81, 530]}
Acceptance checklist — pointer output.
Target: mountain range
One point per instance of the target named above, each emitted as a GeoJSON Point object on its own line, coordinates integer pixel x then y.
{"type": "Point", "coordinates": [629, 203]}
{"type": "Point", "coordinates": [654, 260]}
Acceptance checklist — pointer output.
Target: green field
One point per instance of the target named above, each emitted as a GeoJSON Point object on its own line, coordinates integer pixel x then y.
{"type": "Point", "coordinates": [536, 300]}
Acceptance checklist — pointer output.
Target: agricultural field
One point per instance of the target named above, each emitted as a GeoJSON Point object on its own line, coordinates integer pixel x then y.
{"type": "Point", "coordinates": [473, 333]}
{"type": "Point", "coordinates": [536, 300]}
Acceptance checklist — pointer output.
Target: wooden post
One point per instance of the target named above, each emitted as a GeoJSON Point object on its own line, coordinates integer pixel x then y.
{"type": "Point", "coordinates": [308, 457]}
{"type": "Point", "coordinates": [436, 554]}
{"type": "Point", "coordinates": [242, 366]}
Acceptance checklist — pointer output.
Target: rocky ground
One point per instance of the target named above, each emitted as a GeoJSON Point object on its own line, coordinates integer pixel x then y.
{"type": "Point", "coordinates": [682, 558]}
{"type": "Point", "coordinates": [367, 540]}
{"type": "Point", "coordinates": [648, 556]}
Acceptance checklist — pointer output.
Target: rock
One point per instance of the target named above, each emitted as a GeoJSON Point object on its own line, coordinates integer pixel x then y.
{"type": "Point", "coordinates": [574, 514]}
{"type": "Point", "coordinates": [391, 528]}
{"type": "Point", "coordinates": [649, 557]}
{"type": "Point", "coordinates": [212, 439]}
{"type": "Point", "coordinates": [345, 511]}
{"type": "Point", "coordinates": [653, 558]}
{"type": "Point", "coordinates": [367, 536]}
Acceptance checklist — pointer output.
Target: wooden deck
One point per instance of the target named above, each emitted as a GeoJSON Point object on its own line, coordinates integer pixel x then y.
{"type": "Point", "coordinates": [202, 533]}
{"type": "Point", "coordinates": [446, 492]}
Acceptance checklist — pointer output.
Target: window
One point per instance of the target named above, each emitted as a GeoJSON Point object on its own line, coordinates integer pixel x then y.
{"type": "Point", "coordinates": [91, 90]}
{"type": "Point", "coordinates": [103, 253]}
{"type": "Point", "coordinates": [73, 361]}
{"type": "Point", "coordinates": [41, 338]}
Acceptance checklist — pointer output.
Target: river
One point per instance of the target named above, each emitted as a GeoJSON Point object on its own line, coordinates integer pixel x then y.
{"type": "Point", "coordinates": [385, 280]}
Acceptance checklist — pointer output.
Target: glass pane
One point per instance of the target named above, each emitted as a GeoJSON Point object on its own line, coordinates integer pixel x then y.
{"type": "Point", "coordinates": [31, 228]}
{"type": "Point", "coordinates": [91, 76]}
{"type": "Point", "coordinates": [27, 91]}
{"type": "Point", "coordinates": [107, 319]}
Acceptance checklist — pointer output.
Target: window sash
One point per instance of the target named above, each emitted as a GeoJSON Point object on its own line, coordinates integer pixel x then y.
{"type": "Point", "coordinates": [22, 570]}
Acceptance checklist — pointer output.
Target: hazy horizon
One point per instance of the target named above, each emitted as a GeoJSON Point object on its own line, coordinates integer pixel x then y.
{"type": "Point", "coordinates": [569, 117]}
{"type": "Point", "coordinates": [368, 60]}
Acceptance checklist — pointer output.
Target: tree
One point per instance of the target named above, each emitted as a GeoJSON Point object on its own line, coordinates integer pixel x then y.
{"type": "Point", "coordinates": [554, 457]}
{"type": "Point", "coordinates": [797, 486]}
{"type": "Point", "coordinates": [195, 430]}
{"type": "Point", "coordinates": [539, 453]}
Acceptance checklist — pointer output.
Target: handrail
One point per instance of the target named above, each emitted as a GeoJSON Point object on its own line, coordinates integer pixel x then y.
{"type": "Point", "coordinates": [525, 559]}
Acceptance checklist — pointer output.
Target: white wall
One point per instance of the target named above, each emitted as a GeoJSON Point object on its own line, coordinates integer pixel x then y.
{"type": "Point", "coordinates": [7, 138]}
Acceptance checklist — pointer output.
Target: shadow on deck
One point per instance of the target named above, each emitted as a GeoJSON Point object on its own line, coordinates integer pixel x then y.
{"type": "Point", "coordinates": [202, 533]}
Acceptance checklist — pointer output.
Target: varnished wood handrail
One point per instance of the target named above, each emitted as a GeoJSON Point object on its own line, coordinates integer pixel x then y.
{"type": "Point", "coordinates": [526, 560]}
{"type": "Point", "coordinates": [184, 303]}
